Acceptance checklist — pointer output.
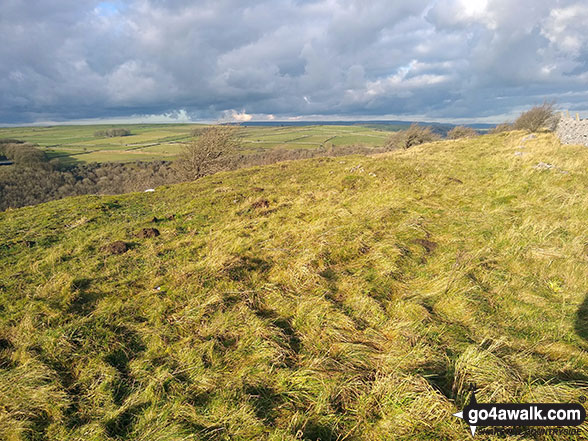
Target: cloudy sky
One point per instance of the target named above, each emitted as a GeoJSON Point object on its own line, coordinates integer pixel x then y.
{"type": "Point", "coordinates": [178, 60]}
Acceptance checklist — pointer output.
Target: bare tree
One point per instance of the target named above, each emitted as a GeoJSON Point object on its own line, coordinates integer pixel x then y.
{"type": "Point", "coordinates": [538, 117]}
{"type": "Point", "coordinates": [410, 137]}
{"type": "Point", "coordinates": [462, 132]}
{"type": "Point", "coordinates": [501, 128]}
{"type": "Point", "coordinates": [207, 152]}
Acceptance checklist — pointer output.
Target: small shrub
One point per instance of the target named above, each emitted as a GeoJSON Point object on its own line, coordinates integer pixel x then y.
{"type": "Point", "coordinates": [536, 118]}
{"type": "Point", "coordinates": [500, 128]}
{"type": "Point", "coordinates": [462, 132]}
{"type": "Point", "coordinates": [410, 137]}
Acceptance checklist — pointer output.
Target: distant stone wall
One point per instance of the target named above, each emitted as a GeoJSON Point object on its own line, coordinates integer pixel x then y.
{"type": "Point", "coordinates": [572, 131]}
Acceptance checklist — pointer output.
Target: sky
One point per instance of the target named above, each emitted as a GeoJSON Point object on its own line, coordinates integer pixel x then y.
{"type": "Point", "coordinates": [236, 60]}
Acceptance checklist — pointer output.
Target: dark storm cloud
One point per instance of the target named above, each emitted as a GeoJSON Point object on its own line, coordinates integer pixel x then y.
{"type": "Point", "coordinates": [76, 59]}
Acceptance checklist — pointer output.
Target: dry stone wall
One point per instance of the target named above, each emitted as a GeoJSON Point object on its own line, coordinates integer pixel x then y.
{"type": "Point", "coordinates": [572, 131]}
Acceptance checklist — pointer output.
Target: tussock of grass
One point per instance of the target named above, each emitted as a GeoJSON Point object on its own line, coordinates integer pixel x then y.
{"type": "Point", "coordinates": [357, 300]}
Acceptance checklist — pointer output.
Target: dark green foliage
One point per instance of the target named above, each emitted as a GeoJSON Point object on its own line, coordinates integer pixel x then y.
{"type": "Point", "coordinates": [111, 133]}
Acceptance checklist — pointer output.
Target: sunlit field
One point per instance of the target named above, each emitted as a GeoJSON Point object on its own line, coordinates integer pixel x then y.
{"type": "Point", "coordinates": [73, 144]}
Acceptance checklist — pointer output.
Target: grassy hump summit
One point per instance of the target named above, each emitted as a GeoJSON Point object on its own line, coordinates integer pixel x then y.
{"type": "Point", "coordinates": [350, 298]}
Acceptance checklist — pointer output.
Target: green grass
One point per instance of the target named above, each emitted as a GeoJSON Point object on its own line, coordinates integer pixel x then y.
{"type": "Point", "coordinates": [352, 298]}
{"type": "Point", "coordinates": [73, 144]}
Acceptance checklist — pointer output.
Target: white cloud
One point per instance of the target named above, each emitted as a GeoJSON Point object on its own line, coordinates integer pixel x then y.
{"type": "Point", "coordinates": [321, 58]}
{"type": "Point", "coordinates": [461, 13]}
{"type": "Point", "coordinates": [566, 28]}
{"type": "Point", "coordinates": [474, 8]}
{"type": "Point", "coordinates": [233, 115]}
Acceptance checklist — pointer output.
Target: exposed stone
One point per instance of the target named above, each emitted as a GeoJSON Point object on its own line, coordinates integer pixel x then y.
{"type": "Point", "coordinates": [572, 131]}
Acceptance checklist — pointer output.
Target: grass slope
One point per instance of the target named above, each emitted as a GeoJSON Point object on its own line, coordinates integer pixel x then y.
{"type": "Point", "coordinates": [335, 299]}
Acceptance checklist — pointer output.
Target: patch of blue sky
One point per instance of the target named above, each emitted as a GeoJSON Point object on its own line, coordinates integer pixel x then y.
{"type": "Point", "coordinates": [110, 8]}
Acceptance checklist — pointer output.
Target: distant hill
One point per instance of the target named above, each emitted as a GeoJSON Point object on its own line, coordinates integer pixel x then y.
{"type": "Point", "coordinates": [360, 123]}
{"type": "Point", "coordinates": [441, 128]}
{"type": "Point", "coordinates": [352, 298]}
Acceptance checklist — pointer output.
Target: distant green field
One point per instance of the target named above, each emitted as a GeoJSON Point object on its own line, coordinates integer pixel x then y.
{"type": "Point", "coordinates": [149, 142]}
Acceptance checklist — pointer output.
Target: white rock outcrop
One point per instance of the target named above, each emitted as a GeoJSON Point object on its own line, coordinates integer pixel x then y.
{"type": "Point", "coordinates": [572, 131]}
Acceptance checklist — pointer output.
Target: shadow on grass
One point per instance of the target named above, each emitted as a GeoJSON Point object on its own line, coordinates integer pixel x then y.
{"type": "Point", "coordinates": [66, 160]}
{"type": "Point", "coordinates": [122, 425]}
{"type": "Point", "coordinates": [314, 431]}
{"type": "Point", "coordinates": [265, 401]}
{"type": "Point", "coordinates": [120, 359]}
{"type": "Point", "coordinates": [581, 324]}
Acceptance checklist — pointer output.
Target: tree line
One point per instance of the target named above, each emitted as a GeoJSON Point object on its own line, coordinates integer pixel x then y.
{"type": "Point", "coordinates": [34, 179]}
{"type": "Point", "coordinates": [111, 133]}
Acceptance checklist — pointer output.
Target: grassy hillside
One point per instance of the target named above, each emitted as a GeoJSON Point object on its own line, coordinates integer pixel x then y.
{"type": "Point", "coordinates": [336, 299]}
{"type": "Point", "coordinates": [147, 142]}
